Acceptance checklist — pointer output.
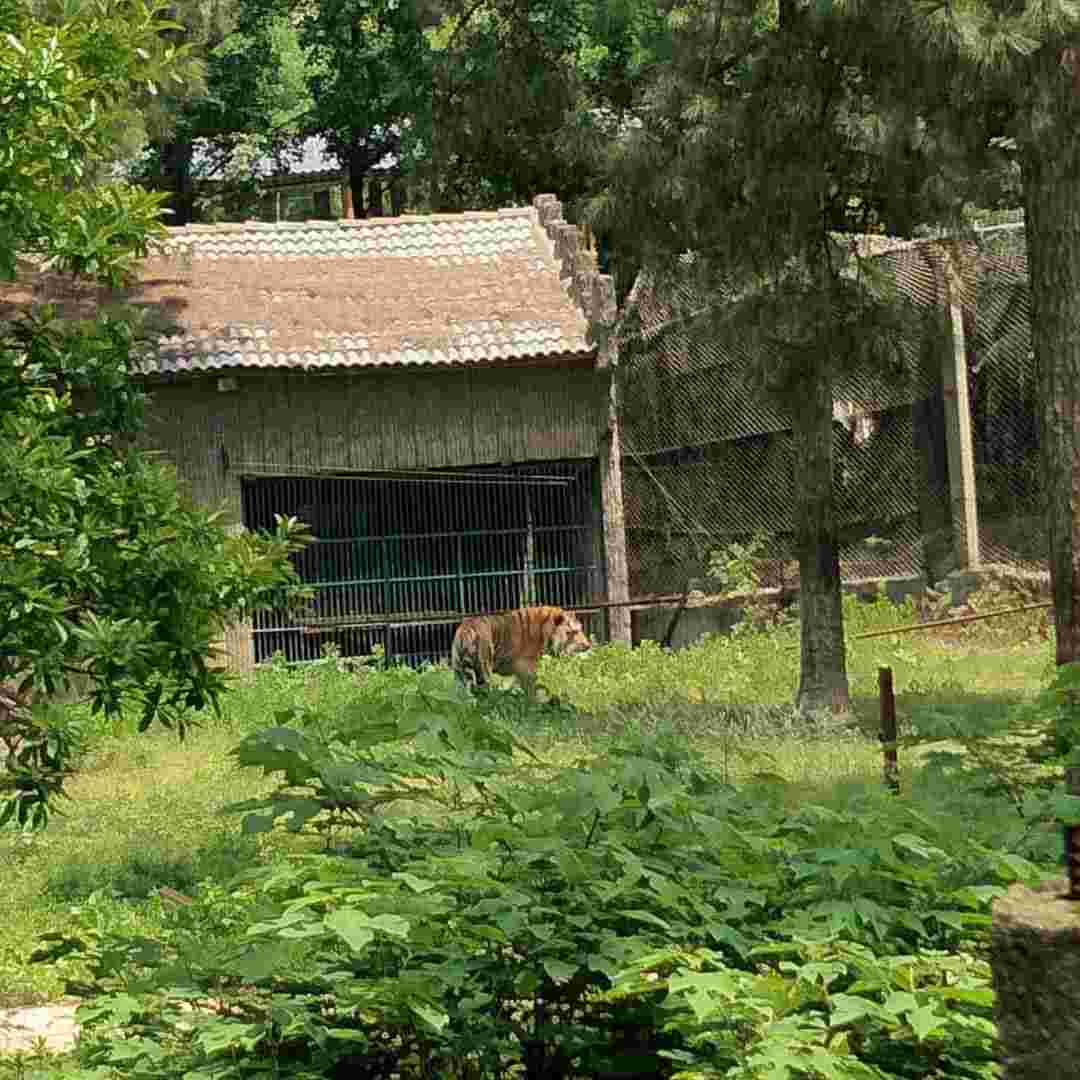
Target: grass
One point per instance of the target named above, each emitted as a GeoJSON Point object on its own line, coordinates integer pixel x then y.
{"type": "Point", "coordinates": [144, 814]}
{"type": "Point", "coordinates": [146, 811]}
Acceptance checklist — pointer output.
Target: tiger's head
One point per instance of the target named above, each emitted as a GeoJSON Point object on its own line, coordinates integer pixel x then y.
{"type": "Point", "coordinates": [568, 637]}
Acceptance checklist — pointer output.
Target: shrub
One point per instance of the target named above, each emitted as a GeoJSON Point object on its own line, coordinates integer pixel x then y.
{"type": "Point", "coordinates": [488, 911]}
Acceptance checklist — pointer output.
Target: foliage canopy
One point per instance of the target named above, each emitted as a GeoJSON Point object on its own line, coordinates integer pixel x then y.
{"type": "Point", "coordinates": [110, 580]}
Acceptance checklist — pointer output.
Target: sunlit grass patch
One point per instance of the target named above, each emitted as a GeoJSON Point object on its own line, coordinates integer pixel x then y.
{"type": "Point", "coordinates": [145, 814]}
{"type": "Point", "coordinates": [146, 811]}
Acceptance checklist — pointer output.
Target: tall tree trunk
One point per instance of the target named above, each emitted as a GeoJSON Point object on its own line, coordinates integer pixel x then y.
{"type": "Point", "coordinates": [358, 169]}
{"type": "Point", "coordinates": [1051, 172]}
{"type": "Point", "coordinates": [176, 157]}
{"type": "Point", "coordinates": [823, 682]}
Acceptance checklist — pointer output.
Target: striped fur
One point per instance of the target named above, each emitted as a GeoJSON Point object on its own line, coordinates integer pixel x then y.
{"type": "Point", "coordinates": [511, 644]}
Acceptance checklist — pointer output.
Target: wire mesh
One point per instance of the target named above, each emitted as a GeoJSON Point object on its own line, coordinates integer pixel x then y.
{"type": "Point", "coordinates": [707, 459]}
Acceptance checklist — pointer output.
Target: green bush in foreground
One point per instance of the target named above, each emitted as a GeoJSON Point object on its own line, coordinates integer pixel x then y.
{"type": "Point", "coordinates": [480, 911]}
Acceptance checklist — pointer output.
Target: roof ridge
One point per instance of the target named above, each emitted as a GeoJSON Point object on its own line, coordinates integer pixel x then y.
{"type": "Point", "coordinates": [179, 231]}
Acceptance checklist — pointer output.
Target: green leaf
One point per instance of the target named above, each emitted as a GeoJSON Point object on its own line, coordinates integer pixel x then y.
{"type": "Point", "coordinates": [257, 823]}
{"type": "Point", "coordinates": [640, 915]}
{"type": "Point", "coordinates": [559, 971]}
{"type": "Point", "coordinates": [899, 1002]}
{"type": "Point", "coordinates": [353, 927]}
{"type": "Point", "coordinates": [394, 925]}
{"type": "Point", "coordinates": [925, 1021]}
{"type": "Point", "coordinates": [433, 1017]}
{"type": "Point", "coordinates": [417, 884]}
{"type": "Point", "coordinates": [706, 991]}
{"type": "Point", "coordinates": [260, 963]}
{"type": "Point", "coordinates": [846, 1009]}
{"type": "Point", "coordinates": [915, 845]}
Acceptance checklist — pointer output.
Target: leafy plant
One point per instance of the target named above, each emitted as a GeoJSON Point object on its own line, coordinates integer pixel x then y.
{"type": "Point", "coordinates": [734, 565]}
{"type": "Point", "coordinates": [1061, 700]}
{"type": "Point", "coordinates": [487, 910]}
{"type": "Point", "coordinates": [113, 586]}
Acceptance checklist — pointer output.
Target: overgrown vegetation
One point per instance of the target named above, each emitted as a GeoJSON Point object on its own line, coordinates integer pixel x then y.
{"type": "Point", "coordinates": [668, 883]}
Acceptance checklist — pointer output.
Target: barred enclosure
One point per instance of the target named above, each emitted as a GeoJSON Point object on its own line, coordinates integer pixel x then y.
{"type": "Point", "coordinates": [931, 474]}
{"type": "Point", "coordinates": [397, 557]}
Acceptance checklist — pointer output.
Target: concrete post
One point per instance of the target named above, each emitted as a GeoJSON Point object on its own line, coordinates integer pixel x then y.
{"type": "Point", "coordinates": [958, 434]}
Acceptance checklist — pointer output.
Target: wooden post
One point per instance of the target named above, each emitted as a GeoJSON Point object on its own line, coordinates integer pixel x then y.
{"type": "Point", "coordinates": [594, 293]}
{"type": "Point", "coordinates": [346, 200]}
{"type": "Point", "coordinates": [618, 583]}
{"type": "Point", "coordinates": [961, 448]}
{"type": "Point", "coordinates": [887, 706]}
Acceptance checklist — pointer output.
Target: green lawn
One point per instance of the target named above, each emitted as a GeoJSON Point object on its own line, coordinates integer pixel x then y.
{"type": "Point", "coordinates": [145, 813]}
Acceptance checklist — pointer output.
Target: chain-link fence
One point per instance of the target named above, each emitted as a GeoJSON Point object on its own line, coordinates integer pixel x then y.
{"type": "Point", "coordinates": [707, 459]}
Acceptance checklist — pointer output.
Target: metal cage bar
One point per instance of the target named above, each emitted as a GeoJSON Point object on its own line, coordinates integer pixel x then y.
{"type": "Point", "coordinates": [408, 547]}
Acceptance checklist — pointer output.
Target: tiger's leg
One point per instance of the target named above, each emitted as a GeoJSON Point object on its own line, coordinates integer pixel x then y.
{"type": "Point", "coordinates": [483, 662]}
{"type": "Point", "coordinates": [467, 658]}
{"type": "Point", "coordinates": [525, 672]}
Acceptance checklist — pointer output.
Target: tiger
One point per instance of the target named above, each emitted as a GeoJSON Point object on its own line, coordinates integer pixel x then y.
{"type": "Point", "coordinates": [511, 644]}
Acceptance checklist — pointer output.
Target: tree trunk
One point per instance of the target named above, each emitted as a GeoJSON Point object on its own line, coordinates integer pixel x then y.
{"type": "Point", "coordinates": [1051, 171]}
{"type": "Point", "coordinates": [823, 682]}
{"type": "Point", "coordinates": [358, 169]}
{"type": "Point", "coordinates": [176, 160]}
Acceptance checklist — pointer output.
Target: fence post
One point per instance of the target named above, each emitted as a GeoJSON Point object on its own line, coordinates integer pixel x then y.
{"type": "Point", "coordinates": [618, 578]}
{"type": "Point", "coordinates": [958, 435]}
{"type": "Point", "coordinates": [887, 706]}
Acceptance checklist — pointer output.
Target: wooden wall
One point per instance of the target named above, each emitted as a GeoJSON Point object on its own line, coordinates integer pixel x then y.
{"type": "Point", "coordinates": [289, 422]}
{"type": "Point", "coordinates": [365, 419]}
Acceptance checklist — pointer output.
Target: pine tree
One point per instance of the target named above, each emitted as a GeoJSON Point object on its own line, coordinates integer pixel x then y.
{"type": "Point", "coordinates": [757, 146]}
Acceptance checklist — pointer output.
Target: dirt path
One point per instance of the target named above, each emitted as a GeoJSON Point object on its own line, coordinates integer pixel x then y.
{"type": "Point", "coordinates": [20, 1029]}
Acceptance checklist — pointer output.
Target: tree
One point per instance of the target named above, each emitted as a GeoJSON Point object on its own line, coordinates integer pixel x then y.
{"type": "Point", "coordinates": [523, 91]}
{"type": "Point", "coordinates": [247, 99]}
{"type": "Point", "coordinates": [369, 81]}
{"type": "Point", "coordinates": [759, 144]}
{"type": "Point", "coordinates": [65, 89]}
{"type": "Point", "coordinates": [107, 573]}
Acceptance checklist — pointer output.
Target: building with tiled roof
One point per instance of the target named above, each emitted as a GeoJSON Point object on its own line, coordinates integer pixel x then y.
{"type": "Point", "coordinates": [304, 179]}
{"type": "Point", "coordinates": [428, 393]}
{"type": "Point", "coordinates": [445, 290]}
